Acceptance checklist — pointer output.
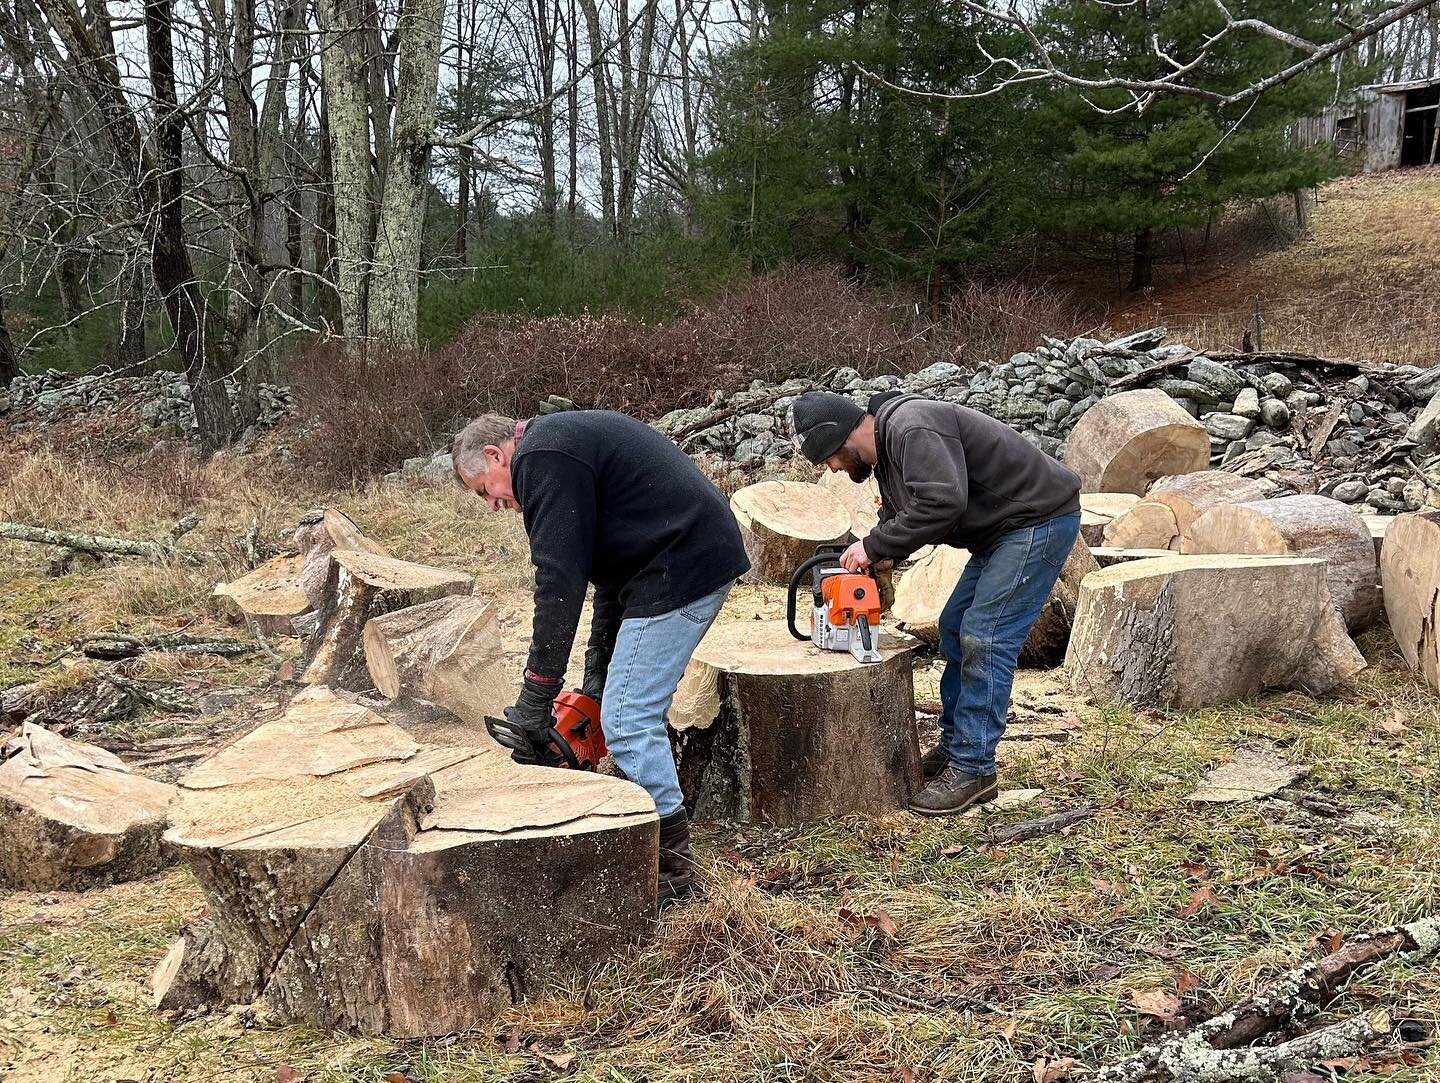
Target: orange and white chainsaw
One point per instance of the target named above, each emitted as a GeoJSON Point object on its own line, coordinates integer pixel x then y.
{"type": "Point", "coordinates": [845, 606]}
{"type": "Point", "coordinates": [575, 740]}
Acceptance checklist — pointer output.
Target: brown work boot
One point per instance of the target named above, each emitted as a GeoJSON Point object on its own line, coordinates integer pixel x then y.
{"type": "Point", "coordinates": [677, 861]}
{"type": "Point", "coordinates": [934, 761]}
{"type": "Point", "coordinates": [953, 791]}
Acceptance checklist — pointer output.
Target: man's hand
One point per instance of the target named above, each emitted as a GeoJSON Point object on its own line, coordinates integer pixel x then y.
{"type": "Point", "coordinates": [533, 713]}
{"type": "Point", "coordinates": [597, 668]}
{"type": "Point", "coordinates": [855, 558]}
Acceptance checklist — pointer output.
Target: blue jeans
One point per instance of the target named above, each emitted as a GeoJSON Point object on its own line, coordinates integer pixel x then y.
{"type": "Point", "coordinates": [982, 628]}
{"type": "Point", "coordinates": [650, 657]}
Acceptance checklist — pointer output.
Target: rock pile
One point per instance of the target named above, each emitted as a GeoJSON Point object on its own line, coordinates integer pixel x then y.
{"type": "Point", "coordinates": [1357, 433]}
{"type": "Point", "coordinates": [161, 400]}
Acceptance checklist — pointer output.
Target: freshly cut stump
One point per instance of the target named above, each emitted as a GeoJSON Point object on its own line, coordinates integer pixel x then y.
{"type": "Point", "coordinates": [446, 652]}
{"type": "Point", "coordinates": [269, 598]}
{"type": "Point", "coordinates": [1148, 525]}
{"type": "Point", "coordinates": [1125, 442]}
{"type": "Point", "coordinates": [861, 500]}
{"type": "Point", "coordinates": [925, 587]}
{"type": "Point", "coordinates": [72, 816]}
{"type": "Point", "coordinates": [1305, 526]}
{"type": "Point", "coordinates": [320, 534]}
{"type": "Point", "coordinates": [783, 521]}
{"type": "Point", "coordinates": [1410, 574]}
{"type": "Point", "coordinates": [357, 880]}
{"type": "Point", "coordinates": [1191, 631]}
{"type": "Point", "coordinates": [1189, 496]}
{"type": "Point", "coordinates": [361, 586]}
{"type": "Point", "coordinates": [1097, 509]}
{"type": "Point", "coordinates": [772, 729]}
{"type": "Point", "coordinates": [1045, 645]}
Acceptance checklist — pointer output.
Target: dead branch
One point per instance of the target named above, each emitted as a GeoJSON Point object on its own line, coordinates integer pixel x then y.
{"type": "Point", "coordinates": [112, 646]}
{"type": "Point", "coordinates": [100, 545]}
{"type": "Point", "coordinates": [1041, 825]}
{"type": "Point", "coordinates": [1343, 366]}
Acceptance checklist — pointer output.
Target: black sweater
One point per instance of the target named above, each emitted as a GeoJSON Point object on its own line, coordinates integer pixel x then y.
{"type": "Point", "coordinates": [610, 501]}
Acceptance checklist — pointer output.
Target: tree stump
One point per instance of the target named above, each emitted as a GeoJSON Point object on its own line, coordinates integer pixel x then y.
{"type": "Point", "coordinates": [361, 586]}
{"type": "Point", "coordinates": [772, 729]}
{"type": "Point", "coordinates": [1410, 573]}
{"type": "Point", "coordinates": [357, 880]}
{"type": "Point", "coordinates": [72, 816]}
{"type": "Point", "coordinates": [269, 598]}
{"type": "Point", "coordinates": [861, 500]}
{"type": "Point", "coordinates": [320, 534]}
{"type": "Point", "coordinates": [1045, 645]}
{"type": "Point", "coordinates": [1192, 631]}
{"type": "Point", "coordinates": [783, 521]}
{"type": "Point", "coordinates": [1304, 526]}
{"type": "Point", "coordinates": [1125, 442]}
{"type": "Point", "coordinates": [925, 587]}
{"type": "Point", "coordinates": [1189, 496]}
{"type": "Point", "coordinates": [1148, 525]}
{"type": "Point", "coordinates": [446, 652]}
{"type": "Point", "coordinates": [1097, 509]}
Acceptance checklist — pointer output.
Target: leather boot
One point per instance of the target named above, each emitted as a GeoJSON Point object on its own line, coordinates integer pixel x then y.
{"type": "Point", "coordinates": [677, 861]}
{"type": "Point", "coordinates": [933, 762]}
{"type": "Point", "coordinates": [953, 791]}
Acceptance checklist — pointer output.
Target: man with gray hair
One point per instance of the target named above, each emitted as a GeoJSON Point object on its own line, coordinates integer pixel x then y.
{"type": "Point", "coordinates": [608, 500]}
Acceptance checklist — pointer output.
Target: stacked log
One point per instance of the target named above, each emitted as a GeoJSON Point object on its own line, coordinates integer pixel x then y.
{"type": "Point", "coordinates": [1126, 442]}
{"type": "Point", "coordinates": [1097, 509]}
{"type": "Point", "coordinates": [446, 652]}
{"type": "Point", "coordinates": [861, 499]}
{"type": "Point", "coordinates": [270, 598]}
{"type": "Point", "coordinates": [1410, 575]}
{"type": "Point", "coordinates": [320, 534]}
{"type": "Point", "coordinates": [782, 523]}
{"type": "Point", "coordinates": [1163, 520]}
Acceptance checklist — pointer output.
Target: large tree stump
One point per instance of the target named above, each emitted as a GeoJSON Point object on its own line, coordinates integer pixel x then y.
{"type": "Point", "coordinates": [1125, 442]}
{"type": "Point", "coordinates": [446, 652]}
{"type": "Point", "coordinates": [783, 521]}
{"type": "Point", "coordinates": [1049, 635]}
{"type": "Point", "coordinates": [268, 598]}
{"type": "Point", "coordinates": [1191, 631]}
{"type": "Point", "coordinates": [361, 586]}
{"type": "Point", "coordinates": [1097, 509]}
{"type": "Point", "coordinates": [320, 534]}
{"type": "Point", "coordinates": [1188, 496]}
{"type": "Point", "coordinates": [1304, 526]}
{"type": "Point", "coordinates": [1148, 525]}
{"type": "Point", "coordinates": [925, 587]}
{"type": "Point", "coordinates": [72, 816]}
{"type": "Point", "coordinates": [1106, 556]}
{"type": "Point", "coordinates": [770, 728]}
{"type": "Point", "coordinates": [358, 880]}
{"type": "Point", "coordinates": [1410, 574]}
{"type": "Point", "coordinates": [861, 500]}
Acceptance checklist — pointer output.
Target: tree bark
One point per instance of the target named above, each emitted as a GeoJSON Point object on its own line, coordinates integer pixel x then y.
{"type": "Point", "coordinates": [1410, 574]}
{"type": "Point", "coordinates": [446, 652]}
{"type": "Point", "coordinates": [604, 147]}
{"type": "Point", "coordinates": [1126, 442]}
{"type": "Point", "coordinates": [1142, 267]}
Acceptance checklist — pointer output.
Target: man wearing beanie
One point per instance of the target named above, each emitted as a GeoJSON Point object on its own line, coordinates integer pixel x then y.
{"type": "Point", "coordinates": [949, 475]}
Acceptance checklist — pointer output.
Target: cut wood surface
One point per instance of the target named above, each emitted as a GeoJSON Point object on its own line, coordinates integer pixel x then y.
{"type": "Point", "coordinates": [1106, 555]}
{"type": "Point", "coordinates": [72, 816]}
{"type": "Point", "coordinates": [783, 521]}
{"type": "Point", "coordinates": [359, 586]}
{"type": "Point", "coordinates": [1189, 496]}
{"type": "Point", "coordinates": [446, 652]}
{"type": "Point", "coordinates": [1306, 526]}
{"type": "Point", "coordinates": [358, 880]}
{"type": "Point", "coordinates": [1377, 525]}
{"type": "Point", "coordinates": [1049, 635]}
{"type": "Point", "coordinates": [1410, 574]}
{"type": "Point", "coordinates": [268, 598]}
{"type": "Point", "coordinates": [771, 728]}
{"type": "Point", "coordinates": [1190, 631]}
{"type": "Point", "coordinates": [1125, 442]}
{"type": "Point", "coordinates": [1097, 509]}
{"type": "Point", "coordinates": [1148, 525]}
{"type": "Point", "coordinates": [925, 587]}
{"type": "Point", "coordinates": [321, 533]}
{"type": "Point", "coordinates": [861, 499]}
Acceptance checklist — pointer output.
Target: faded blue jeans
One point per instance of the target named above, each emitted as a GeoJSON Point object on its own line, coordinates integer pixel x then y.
{"type": "Point", "coordinates": [982, 628]}
{"type": "Point", "coordinates": [650, 657]}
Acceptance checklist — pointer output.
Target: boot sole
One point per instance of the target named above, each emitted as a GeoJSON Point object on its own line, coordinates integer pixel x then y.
{"type": "Point", "coordinates": [984, 797]}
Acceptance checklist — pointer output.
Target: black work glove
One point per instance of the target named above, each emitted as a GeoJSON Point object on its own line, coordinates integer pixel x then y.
{"type": "Point", "coordinates": [533, 714]}
{"type": "Point", "coordinates": [597, 668]}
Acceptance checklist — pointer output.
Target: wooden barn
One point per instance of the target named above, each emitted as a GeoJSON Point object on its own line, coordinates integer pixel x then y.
{"type": "Point", "coordinates": [1383, 126]}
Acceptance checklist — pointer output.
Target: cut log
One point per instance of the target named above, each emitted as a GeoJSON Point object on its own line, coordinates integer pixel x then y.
{"type": "Point", "coordinates": [360, 586]}
{"type": "Point", "coordinates": [446, 652]}
{"type": "Point", "coordinates": [321, 533]}
{"type": "Point", "coordinates": [1306, 526]}
{"type": "Point", "coordinates": [269, 598]}
{"type": "Point", "coordinates": [861, 500]}
{"type": "Point", "coordinates": [72, 816]}
{"type": "Point", "coordinates": [925, 587]}
{"type": "Point", "coordinates": [1148, 525]}
{"type": "Point", "coordinates": [1045, 645]}
{"type": "Point", "coordinates": [1410, 575]}
{"type": "Point", "coordinates": [1189, 496]}
{"type": "Point", "coordinates": [1097, 509]}
{"type": "Point", "coordinates": [772, 729]}
{"type": "Point", "coordinates": [783, 521]}
{"type": "Point", "coordinates": [356, 880]}
{"type": "Point", "coordinates": [1125, 442]}
{"type": "Point", "coordinates": [1191, 631]}
{"type": "Point", "coordinates": [1106, 555]}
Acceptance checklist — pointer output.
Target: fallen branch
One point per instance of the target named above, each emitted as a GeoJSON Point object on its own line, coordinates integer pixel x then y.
{"type": "Point", "coordinates": [1343, 366]}
{"type": "Point", "coordinates": [100, 545]}
{"type": "Point", "coordinates": [1042, 825]}
{"type": "Point", "coordinates": [1200, 1055]}
{"type": "Point", "coordinates": [112, 646]}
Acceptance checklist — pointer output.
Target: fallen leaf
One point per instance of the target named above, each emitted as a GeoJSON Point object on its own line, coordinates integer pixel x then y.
{"type": "Point", "coordinates": [1161, 950]}
{"type": "Point", "coordinates": [110, 1020]}
{"type": "Point", "coordinates": [559, 1061]}
{"type": "Point", "coordinates": [399, 1077]}
{"type": "Point", "coordinates": [1160, 1003]}
{"type": "Point", "coordinates": [907, 1074]}
{"type": "Point", "coordinates": [1103, 973]}
{"type": "Point", "coordinates": [1105, 887]}
{"type": "Point", "coordinates": [1186, 982]}
{"type": "Point", "coordinates": [884, 922]}
{"type": "Point", "coordinates": [1047, 1071]}
{"type": "Point", "coordinates": [509, 1040]}
{"type": "Point", "coordinates": [1394, 727]}
{"type": "Point", "coordinates": [286, 1074]}
{"type": "Point", "coordinates": [1332, 940]}
{"type": "Point", "coordinates": [1007, 1029]}
{"type": "Point", "coordinates": [1202, 897]}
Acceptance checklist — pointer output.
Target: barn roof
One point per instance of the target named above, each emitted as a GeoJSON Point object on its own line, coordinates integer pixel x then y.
{"type": "Point", "coordinates": [1402, 87]}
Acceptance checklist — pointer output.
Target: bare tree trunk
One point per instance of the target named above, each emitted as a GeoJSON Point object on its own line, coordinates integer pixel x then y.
{"type": "Point", "coordinates": [9, 364]}
{"type": "Point", "coordinates": [604, 147]}
{"type": "Point", "coordinates": [130, 350]}
{"type": "Point", "coordinates": [572, 117]}
{"type": "Point", "coordinates": [327, 297]}
{"type": "Point", "coordinates": [1143, 265]}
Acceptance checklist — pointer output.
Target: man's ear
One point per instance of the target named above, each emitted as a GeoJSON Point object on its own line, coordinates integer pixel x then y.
{"type": "Point", "coordinates": [494, 455]}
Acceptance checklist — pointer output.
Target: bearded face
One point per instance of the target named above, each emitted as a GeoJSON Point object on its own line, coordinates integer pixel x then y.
{"type": "Point", "coordinates": [851, 464]}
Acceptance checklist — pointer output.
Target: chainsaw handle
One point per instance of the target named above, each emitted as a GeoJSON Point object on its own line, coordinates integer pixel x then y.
{"type": "Point", "coordinates": [516, 738]}
{"type": "Point", "coordinates": [828, 556]}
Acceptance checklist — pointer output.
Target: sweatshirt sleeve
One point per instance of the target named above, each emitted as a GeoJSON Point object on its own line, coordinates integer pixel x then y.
{"type": "Point", "coordinates": [557, 495]}
{"type": "Point", "coordinates": [932, 469]}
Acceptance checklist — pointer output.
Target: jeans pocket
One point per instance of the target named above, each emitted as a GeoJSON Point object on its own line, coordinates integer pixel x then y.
{"type": "Point", "coordinates": [700, 611]}
{"type": "Point", "coordinates": [1054, 548]}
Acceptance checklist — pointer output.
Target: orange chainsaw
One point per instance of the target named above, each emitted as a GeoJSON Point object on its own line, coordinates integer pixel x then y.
{"type": "Point", "coordinates": [576, 740]}
{"type": "Point", "coordinates": [845, 609]}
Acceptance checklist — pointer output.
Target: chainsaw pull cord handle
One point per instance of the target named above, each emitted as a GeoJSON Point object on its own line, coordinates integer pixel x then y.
{"type": "Point", "coordinates": [827, 557]}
